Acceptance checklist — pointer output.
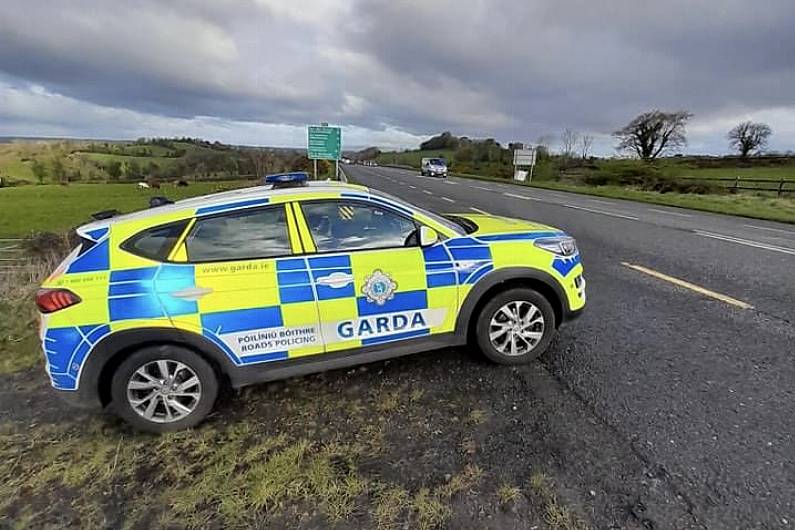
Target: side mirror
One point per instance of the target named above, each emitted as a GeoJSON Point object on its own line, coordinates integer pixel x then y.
{"type": "Point", "coordinates": [428, 236]}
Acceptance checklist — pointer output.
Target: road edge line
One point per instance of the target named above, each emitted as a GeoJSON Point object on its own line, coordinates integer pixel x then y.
{"type": "Point", "coordinates": [687, 285]}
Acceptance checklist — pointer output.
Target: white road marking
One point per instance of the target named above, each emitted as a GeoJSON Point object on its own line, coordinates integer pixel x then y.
{"type": "Point", "coordinates": [670, 213]}
{"type": "Point", "coordinates": [771, 229]}
{"type": "Point", "coordinates": [747, 242]}
{"type": "Point", "coordinates": [412, 187]}
{"type": "Point", "coordinates": [429, 192]}
{"type": "Point", "coordinates": [481, 188]}
{"type": "Point", "coordinates": [602, 212]}
{"type": "Point", "coordinates": [687, 285]}
{"type": "Point", "coordinates": [448, 199]}
{"type": "Point", "coordinates": [448, 181]}
{"type": "Point", "coordinates": [479, 211]}
{"type": "Point", "coordinates": [525, 197]}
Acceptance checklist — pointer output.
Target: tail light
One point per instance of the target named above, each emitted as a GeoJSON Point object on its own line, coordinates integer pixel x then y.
{"type": "Point", "coordinates": [51, 300]}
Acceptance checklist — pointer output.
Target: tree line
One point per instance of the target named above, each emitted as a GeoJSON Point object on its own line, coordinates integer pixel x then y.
{"type": "Point", "coordinates": [656, 133]}
{"type": "Point", "coordinates": [129, 162]}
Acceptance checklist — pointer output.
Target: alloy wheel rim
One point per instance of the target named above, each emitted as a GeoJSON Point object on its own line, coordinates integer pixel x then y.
{"type": "Point", "coordinates": [516, 328]}
{"type": "Point", "coordinates": [164, 391]}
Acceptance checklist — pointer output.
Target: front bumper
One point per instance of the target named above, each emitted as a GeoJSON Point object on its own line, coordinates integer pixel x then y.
{"type": "Point", "coordinates": [573, 314]}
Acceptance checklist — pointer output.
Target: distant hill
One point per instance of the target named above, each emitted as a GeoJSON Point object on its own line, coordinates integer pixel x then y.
{"type": "Point", "coordinates": [29, 160]}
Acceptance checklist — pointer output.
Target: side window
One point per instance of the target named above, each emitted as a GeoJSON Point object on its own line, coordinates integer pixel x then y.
{"type": "Point", "coordinates": [247, 234]}
{"type": "Point", "coordinates": [340, 225]}
{"type": "Point", "coordinates": [154, 243]}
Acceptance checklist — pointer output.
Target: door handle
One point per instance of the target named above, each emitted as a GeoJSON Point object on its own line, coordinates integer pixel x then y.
{"type": "Point", "coordinates": [192, 293]}
{"type": "Point", "coordinates": [335, 280]}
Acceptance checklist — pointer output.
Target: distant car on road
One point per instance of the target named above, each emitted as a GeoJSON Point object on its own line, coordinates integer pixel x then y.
{"type": "Point", "coordinates": [155, 310]}
{"type": "Point", "coordinates": [433, 167]}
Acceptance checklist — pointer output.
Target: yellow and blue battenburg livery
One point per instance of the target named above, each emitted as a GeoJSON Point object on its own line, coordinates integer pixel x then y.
{"type": "Point", "coordinates": [259, 278]}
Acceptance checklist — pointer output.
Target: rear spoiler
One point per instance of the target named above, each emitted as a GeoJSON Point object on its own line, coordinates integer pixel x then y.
{"type": "Point", "coordinates": [104, 214]}
{"type": "Point", "coordinates": [154, 202]}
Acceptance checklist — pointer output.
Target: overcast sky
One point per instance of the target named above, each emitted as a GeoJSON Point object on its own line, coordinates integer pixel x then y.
{"type": "Point", "coordinates": [393, 72]}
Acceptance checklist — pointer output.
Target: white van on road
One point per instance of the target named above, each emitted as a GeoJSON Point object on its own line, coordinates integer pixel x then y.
{"type": "Point", "coordinates": [433, 167]}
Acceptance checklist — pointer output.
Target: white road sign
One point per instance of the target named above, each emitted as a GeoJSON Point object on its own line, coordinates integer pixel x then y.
{"type": "Point", "coordinates": [524, 157]}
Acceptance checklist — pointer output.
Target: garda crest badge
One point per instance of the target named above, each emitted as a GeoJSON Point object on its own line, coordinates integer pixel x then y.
{"type": "Point", "coordinates": [379, 287]}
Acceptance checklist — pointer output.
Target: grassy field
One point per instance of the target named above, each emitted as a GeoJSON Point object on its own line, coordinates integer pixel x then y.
{"type": "Point", "coordinates": [104, 158]}
{"type": "Point", "coordinates": [55, 208]}
{"type": "Point", "coordinates": [414, 158]}
{"type": "Point", "coordinates": [84, 160]}
{"type": "Point", "coordinates": [765, 172]}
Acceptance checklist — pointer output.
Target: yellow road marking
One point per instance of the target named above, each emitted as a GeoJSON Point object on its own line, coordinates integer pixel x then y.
{"type": "Point", "coordinates": [688, 285]}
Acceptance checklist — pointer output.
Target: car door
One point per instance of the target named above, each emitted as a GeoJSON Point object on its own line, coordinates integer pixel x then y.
{"type": "Point", "coordinates": [370, 276]}
{"type": "Point", "coordinates": [243, 301]}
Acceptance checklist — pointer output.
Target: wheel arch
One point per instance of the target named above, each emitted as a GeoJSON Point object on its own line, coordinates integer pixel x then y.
{"type": "Point", "coordinates": [502, 280]}
{"type": "Point", "coordinates": [108, 354]}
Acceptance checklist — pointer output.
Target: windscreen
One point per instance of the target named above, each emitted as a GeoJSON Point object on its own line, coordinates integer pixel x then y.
{"type": "Point", "coordinates": [436, 217]}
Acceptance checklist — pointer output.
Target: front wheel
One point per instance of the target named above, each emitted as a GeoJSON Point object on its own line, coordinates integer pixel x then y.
{"type": "Point", "coordinates": [516, 326]}
{"type": "Point", "coordinates": [164, 388]}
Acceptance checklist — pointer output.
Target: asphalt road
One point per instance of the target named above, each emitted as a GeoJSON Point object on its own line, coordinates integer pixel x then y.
{"type": "Point", "coordinates": [701, 388]}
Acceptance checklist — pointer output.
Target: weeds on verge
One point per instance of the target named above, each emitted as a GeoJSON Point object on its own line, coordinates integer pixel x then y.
{"type": "Point", "coordinates": [19, 348]}
{"type": "Point", "coordinates": [508, 493]}
{"type": "Point", "coordinates": [239, 475]}
{"type": "Point", "coordinates": [556, 515]}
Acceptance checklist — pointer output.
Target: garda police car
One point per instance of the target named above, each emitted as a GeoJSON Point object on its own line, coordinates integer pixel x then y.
{"type": "Point", "coordinates": [155, 309]}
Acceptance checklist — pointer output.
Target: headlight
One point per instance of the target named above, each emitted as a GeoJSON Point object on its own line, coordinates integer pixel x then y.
{"type": "Point", "coordinates": [562, 246]}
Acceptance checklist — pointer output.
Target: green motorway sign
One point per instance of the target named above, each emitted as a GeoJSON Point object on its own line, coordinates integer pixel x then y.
{"type": "Point", "coordinates": [324, 143]}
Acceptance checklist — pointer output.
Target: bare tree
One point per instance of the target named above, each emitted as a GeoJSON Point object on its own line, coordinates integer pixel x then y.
{"type": "Point", "coordinates": [261, 161]}
{"type": "Point", "coordinates": [568, 141]}
{"type": "Point", "coordinates": [586, 141]}
{"type": "Point", "coordinates": [749, 137]}
{"type": "Point", "coordinates": [39, 170]}
{"type": "Point", "coordinates": [545, 140]}
{"type": "Point", "coordinates": [653, 133]}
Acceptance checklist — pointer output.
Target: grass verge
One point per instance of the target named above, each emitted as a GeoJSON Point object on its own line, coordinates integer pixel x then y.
{"type": "Point", "coordinates": [19, 341]}
{"type": "Point", "coordinates": [744, 205]}
{"type": "Point", "coordinates": [556, 514]}
{"type": "Point", "coordinates": [235, 473]}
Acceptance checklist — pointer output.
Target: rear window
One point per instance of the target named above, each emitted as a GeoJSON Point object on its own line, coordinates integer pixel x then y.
{"type": "Point", "coordinates": [155, 243]}
{"type": "Point", "coordinates": [84, 245]}
{"type": "Point", "coordinates": [247, 234]}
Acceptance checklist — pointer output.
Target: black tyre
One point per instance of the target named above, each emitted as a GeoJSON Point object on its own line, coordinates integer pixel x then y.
{"type": "Point", "coordinates": [516, 326]}
{"type": "Point", "coordinates": [164, 388]}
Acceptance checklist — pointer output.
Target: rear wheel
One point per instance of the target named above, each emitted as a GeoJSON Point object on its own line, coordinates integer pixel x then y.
{"type": "Point", "coordinates": [164, 388]}
{"type": "Point", "coordinates": [516, 326]}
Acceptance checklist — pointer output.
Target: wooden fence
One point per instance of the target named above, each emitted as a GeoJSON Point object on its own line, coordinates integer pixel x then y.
{"type": "Point", "coordinates": [11, 254]}
{"type": "Point", "coordinates": [777, 186]}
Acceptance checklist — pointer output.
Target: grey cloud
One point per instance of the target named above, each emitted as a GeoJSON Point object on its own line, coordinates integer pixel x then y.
{"type": "Point", "coordinates": [499, 68]}
{"type": "Point", "coordinates": [592, 64]}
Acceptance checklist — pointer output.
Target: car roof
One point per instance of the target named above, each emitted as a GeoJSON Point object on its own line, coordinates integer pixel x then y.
{"type": "Point", "coordinates": [216, 199]}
